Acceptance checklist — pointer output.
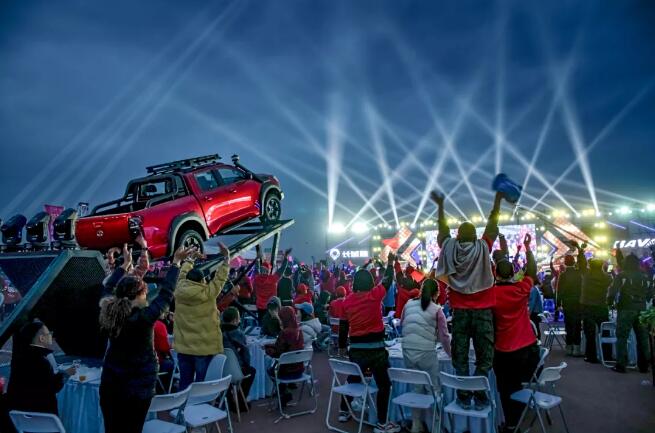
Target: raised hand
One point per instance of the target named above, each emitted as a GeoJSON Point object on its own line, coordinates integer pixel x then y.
{"type": "Point", "coordinates": [141, 241]}
{"type": "Point", "coordinates": [437, 197]}
{"type": "Point", "coordinates": [127, 257]}
{"type": "Point", "coordinates": [391, 257]}
{"type": "Point", "coordinates": [527, 241]}
{"type": "Point", "coordinates": [288, 251]}
{"type": "Point", "coordinates": [225, 252]}
{"type": "Point", "coordinates": [183, 253]}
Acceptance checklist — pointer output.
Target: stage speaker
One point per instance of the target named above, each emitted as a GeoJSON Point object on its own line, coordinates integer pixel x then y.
{"type": "Point", "coordinates": [62, 289]}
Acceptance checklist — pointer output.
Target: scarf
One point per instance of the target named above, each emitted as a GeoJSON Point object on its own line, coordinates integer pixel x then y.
{"type": "Point", "coordinates": [465, 266]}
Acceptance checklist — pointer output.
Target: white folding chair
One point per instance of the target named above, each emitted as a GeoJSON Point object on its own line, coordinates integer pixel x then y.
{"type": "Point", "coordinates": [468, 383]}
{"type": "Point", "coordinates": [554, 331]}
{"type": "Point", "coordinates": [537, 400]}
{"type": "Point", "coordinates": [165, 403]}
{"type": "Point", "coordinates": [36, 422]}
{"type": "Point", "coordinates": [215, 368]}
{"type": "Point", "coordinates": [200, 410]}
{"type": "Point", "coordinates": [341, 387]}
{"type": "Point", "coordinates": [233, 368]}
{"type": "Point", "coordinates": [334, 336]}
{"type": "Point", "coordinates": [298, 356]}
{"type": "Point", "coordinates": [412, 399]}
{"type": "Point", "coordinates": [175, 374]}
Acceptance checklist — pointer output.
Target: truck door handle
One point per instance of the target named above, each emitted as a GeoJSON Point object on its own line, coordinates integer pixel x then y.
{"type": "Point", "coordinates": [207, 198]}
{"type": "Point", "coordinates": [233, 191]}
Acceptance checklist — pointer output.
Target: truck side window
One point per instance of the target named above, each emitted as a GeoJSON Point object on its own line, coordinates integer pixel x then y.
{"type": "Point", "coordinates": [229, 175]}
{"type": "Point", "coordinates": [206, 181]}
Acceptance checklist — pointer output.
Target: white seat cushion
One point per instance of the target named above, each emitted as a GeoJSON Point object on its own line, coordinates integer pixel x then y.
{"type": "Point", "coordinates": [159, 426]}
{"type": "Point", "coordinates": [202, 414]}
{"type": "Point", "coordinates": [545, 401]}
{"type": "Point", "coordinates": [303, 378]}
{"type": "Point", "coordinates": [456, 409]}
{"type": "Point", "coordinates": [413, 399]}
{"type": "Point", "coordinates": [354, 389]}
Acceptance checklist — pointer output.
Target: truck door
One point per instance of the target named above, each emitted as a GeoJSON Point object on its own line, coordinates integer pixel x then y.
{"type": "Point", "coordinates": [213, 199]}
{"type": "Point", "coordinates": [243, 192]}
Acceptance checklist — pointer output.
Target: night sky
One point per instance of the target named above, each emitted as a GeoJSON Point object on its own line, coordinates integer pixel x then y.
{"type": "Point", "coordinates": [333, 97]}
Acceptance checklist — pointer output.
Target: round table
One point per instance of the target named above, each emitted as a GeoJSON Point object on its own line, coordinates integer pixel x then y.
{"type": "Point", "coordinates": [474, 425]}
{"type": "Point", "coordinates": [262, 386]}
{"type": "Point", "coordinates": [79, 407]}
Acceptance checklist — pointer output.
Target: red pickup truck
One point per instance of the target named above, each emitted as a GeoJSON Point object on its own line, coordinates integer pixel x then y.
{"type": "Point", "coordinates": [182, 203]}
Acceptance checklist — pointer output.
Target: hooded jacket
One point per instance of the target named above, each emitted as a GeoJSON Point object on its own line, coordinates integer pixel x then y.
{"type": "Point", "coordinates": [197, 325]}
{"type": "Point", "coordinates": [310, 330]}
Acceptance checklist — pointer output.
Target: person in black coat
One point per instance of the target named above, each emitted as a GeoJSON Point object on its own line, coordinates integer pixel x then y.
{"type": "Point", "coordinates": [130, 366]}
{"type": "Point", "coordinates": [235, 339]}
{"type": "Point", "coordinates": [33, 384]}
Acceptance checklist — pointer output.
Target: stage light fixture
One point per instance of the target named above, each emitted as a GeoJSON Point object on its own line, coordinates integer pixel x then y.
{"type": "Point", "coordinates": [650, 207]}
{"type": "Point", "coordinates": [37, 229]}
{"type": "Point", "coordinates": [336, 228]}
{"type": "Point", "coordinates": [64, 227]}
{"type": "Point", "coordinates": [12, 230]}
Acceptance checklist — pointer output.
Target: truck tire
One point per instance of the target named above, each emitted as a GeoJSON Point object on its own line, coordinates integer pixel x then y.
{"type": "Point", "coordinates": [189, 238]}
{"type": "Point", "coordinates": [272, 208]}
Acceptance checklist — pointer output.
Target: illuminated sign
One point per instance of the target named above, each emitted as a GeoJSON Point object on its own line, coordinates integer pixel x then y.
{"type": "Point", "coordinates": [634, 243]}
{"type": "Point", "coordinates": [357, 254]}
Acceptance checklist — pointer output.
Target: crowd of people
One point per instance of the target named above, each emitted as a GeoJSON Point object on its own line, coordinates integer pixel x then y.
{"type": "Point", "coordinates": [466, 300]}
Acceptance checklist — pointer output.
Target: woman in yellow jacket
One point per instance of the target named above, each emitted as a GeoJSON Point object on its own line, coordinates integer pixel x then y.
{"type": "Point", "coordinates": [197, 328]}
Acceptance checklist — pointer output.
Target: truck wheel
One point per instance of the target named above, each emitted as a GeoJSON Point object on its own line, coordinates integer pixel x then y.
{"type": "Point", "coordinates": [272, 209]}
{"type": "Point", "coordinates": [190, 238]}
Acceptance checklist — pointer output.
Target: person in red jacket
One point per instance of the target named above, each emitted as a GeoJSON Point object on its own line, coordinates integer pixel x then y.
{"type": "Point", "coordinates": [465, 265]}
{"type": "Point", "coordinates": [303, 295]}
{"type": "Point", "coordinates": [362, 322]}
{"type": "Point", "coordinates": [265, 282]}
{"type": "Point", "coordinates": [163, 350]}
{"type": "Point", "coordinates": [336, 307]}
{"type": "Point", "coordinates": [407, 288]}
{"type": "Point", "coordinates": [516, 350]}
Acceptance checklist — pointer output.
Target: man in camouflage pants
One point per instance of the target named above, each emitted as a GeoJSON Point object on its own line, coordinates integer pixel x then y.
{"type": "Point", "coordinates": [464, 264]}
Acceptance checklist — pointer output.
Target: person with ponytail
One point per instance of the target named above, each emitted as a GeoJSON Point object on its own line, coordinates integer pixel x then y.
{"type": "Point", "coordinates": [423, 324]}
{"type": "Point", "coordinates": [130, 366]}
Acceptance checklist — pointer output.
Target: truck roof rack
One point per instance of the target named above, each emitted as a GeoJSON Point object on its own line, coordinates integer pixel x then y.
{"type": "Point", "coordinates": [182, 164]}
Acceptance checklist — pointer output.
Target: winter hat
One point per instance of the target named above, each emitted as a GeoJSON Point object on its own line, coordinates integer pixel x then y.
{"type": "Point", "coordinates": [341, 292]}
{"type": "Point", "coordinates": [306, 308]}
{"type": "Point", "coordinates": [466, 232]}
{"type": "Point", "coordinates": [363, 281]}
{"type": "Point", "coordinates": [274, 303]}
{"type": "Point", "coordinates": [302, 289]}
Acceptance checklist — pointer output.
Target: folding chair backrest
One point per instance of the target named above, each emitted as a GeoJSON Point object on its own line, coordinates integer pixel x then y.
{"type": "Point", "coordinates": [161, 403]}
{"type": "Point", "coordinates": [345, 367]}
{"type": "Point", "coordinates": [467, 383]}
{"type": "Point", "coordinates": [334, 321]}
{"type": "Point", "coordinates": [543, 354]}
{"type": "Point", "coordinates": [208, 391]}
{"type": "Point", "coordinates": [608, 326]}
{"type": "Point", "coordinates": [405, 375]}
{"type": "Point", "coordinates": [551, 374]}
{"type": "Point", "coordinates": [215, 369]}
{"type": "Point", "coordinates": [232, 366]}
{"type": "Point", "coordinates": [296, 357]}
{"type": "Point", "coordinates": [35, 422]}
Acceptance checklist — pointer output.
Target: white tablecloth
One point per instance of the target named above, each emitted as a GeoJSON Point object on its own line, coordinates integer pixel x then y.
{"type": "Point", "coordinates": [262, 386]}
{"type": "Point", "coordinates": [474, 425]}
{"type": "Point", "coordinates": [79, 407]}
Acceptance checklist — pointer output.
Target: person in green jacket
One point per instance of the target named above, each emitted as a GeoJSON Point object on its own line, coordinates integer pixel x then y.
{"type": "Point", "coordinates": [197, 329]}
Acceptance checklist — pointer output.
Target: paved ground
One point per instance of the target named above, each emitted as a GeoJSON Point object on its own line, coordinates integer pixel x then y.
{"type": "Point", "coordinates": [595, 400]}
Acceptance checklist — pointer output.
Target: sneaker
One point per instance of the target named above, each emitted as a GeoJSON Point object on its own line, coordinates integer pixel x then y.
{"type": "Point", "coordinates": [344, 416]}
{"type": "Point", "coordinates": [390, 427]}
{"type": "Point", "coordinates": [466, 405]}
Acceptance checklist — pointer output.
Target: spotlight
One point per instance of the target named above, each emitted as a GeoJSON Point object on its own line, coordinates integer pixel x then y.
{"type": "Point", "coordinates": [624, 210]}
{"type": "Point", "coordinates": [336, 228]}
{"type": "Point", "coordinates": [37, 229]}
{"type": "Point", "coordinates": [64, 227]}
{"type": "Point", "coordinates": [359, 227]}
{"type": "Point", "coordinates": [650, 207]}
{"type": "Point", "coordinates": [12, 231]}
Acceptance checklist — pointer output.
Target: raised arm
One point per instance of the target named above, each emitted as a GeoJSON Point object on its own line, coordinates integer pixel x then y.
{"type": "Point", "coordinates": [220, 277]}
{"type": "Point", "coordinates": [491, 230]}
{"type": "Point", "coordinates": [387, 279]}
{"type": "Point", "coordinates": [285, 263]}
{"type": "Point", "coordinates": [582, 260]}
{"type": "Point", "coordinates": [444, 230]}
{"type": "Point", "coordinates": [110, 283]}
{"type": "Point", "coordinates": [531, 266]}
